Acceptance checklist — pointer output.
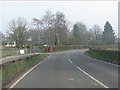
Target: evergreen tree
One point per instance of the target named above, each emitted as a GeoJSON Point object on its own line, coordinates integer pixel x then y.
{"type": "Point", "coordinates": [79, 33]}
{"type": "Point", "coordinates": [76, 32]}
{"type": "Point", "coordinates": [108, 34]}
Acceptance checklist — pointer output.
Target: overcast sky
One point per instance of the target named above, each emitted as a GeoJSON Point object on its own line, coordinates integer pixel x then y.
{"type": "Point", "coordinates": [88, 12]}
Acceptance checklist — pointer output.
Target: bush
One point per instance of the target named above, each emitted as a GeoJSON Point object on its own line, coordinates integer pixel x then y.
{"type": "Point", "coordinates": [68, 47]}
{"type": "Point", "coordinates": [106, 55]}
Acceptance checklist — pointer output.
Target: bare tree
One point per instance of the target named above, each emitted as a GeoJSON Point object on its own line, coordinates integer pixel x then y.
{"type": "Point", "coordinates": [33, 34]}
{"type": "Point", "coordinates": [61, 28]}
{"type": "Point", "coordinates": [17, 31]}
{"type": "Point", "coordinates": [79, 33]}
{"type": "Point", "coordinates": [53, 27]}
{"type": "Point", "coordinates": [1, 44]}
{"type": "Point", "coordinates": [97, 34]}
{"type": "Point", "coordinates": [2, 39]}
{"type": "Point", "coordinates": [45, 25]}
{"type": "Point", "coordinates": [1, 35]}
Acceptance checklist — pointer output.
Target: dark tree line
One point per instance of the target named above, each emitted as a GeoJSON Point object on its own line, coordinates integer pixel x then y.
{"type": "Point", "coordinates": [95, 35]}
{"type": "Point", "coordinates": [53, 29]}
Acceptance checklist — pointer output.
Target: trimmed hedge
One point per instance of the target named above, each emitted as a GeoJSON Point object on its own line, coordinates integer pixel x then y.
{"type": "Point", "coordinates": [68, 47]}
{"type": "Point", "coordinates": [106, 55]}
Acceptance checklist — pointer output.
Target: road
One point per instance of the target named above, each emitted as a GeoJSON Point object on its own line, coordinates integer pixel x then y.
{"type": "Point", "coordinates": [70, 69]}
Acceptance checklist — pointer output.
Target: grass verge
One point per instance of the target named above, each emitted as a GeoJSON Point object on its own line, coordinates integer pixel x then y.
{"type": "Point", "coordinates": [102, 56]}
{"type": "Point", "coordinates": [11, 70]}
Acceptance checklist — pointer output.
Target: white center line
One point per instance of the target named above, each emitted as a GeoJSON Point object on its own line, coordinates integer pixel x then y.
{"type": "Point", "coordinates": [90, 76]}
{"type": "Point", "coordinates": [93, 78]}
{"type": "Point", "coordinates": [70, 60]}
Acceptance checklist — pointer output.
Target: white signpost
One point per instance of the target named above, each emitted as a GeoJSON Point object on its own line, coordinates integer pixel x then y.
{"type": "Point", "coordinates": [22, 51]}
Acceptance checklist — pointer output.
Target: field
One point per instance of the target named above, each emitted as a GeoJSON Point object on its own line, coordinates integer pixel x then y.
{"type": "Point", "coordinates": [10, 52]}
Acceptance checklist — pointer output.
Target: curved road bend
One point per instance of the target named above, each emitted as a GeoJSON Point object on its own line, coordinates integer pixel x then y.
{"type": "Point", "coordinates": [71, 69]}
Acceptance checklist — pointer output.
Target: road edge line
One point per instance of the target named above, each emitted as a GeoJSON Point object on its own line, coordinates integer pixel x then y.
{"type": "Point", "coordinates": [92, 78]}
{"type": "Point", "coordinates": [17, 81]}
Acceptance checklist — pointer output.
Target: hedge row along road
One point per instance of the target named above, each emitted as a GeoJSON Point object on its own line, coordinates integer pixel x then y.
{"type": "Point", "coordinates": [105, 55]}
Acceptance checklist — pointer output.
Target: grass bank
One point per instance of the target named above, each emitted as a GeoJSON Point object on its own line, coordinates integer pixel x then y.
{"type": "Point", "coordinates": [105, 55]}
{"type": "Point", "coordinates": [12, 70]}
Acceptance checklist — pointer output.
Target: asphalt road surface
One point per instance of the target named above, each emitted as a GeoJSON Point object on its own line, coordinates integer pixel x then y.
{"type": "Point", "coordinates": [71, 69]}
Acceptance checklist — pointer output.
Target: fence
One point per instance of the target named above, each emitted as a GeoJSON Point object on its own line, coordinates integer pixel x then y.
{"type": "Point", "coordinates": [12, 59]}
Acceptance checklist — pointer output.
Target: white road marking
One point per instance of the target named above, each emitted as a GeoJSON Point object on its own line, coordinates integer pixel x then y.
{"type": "Point", "coordinates": [111, 63]}
{"type": "Point", "coordinates": [15, 83]}
{"type": "Point", "coordinates": [93, 78]}
{"type": "Point", "coordinates": [70, 60]}
{"type": "Point", "coordinates": [108, 63]}
{"type": "Point", "coordinates": [90, 76]}
{"type": "Point", "coordinates": [67, 57]}
{"type": "Point", "coordinates": [71, 79]}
